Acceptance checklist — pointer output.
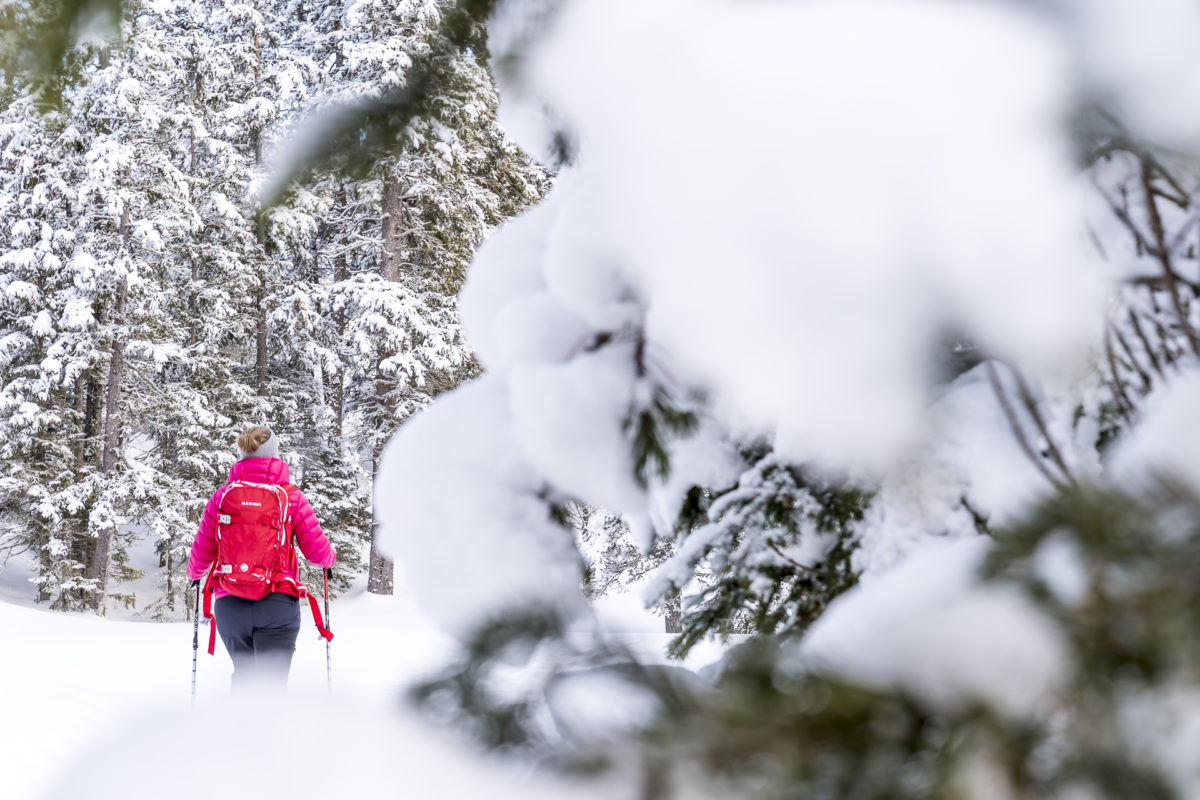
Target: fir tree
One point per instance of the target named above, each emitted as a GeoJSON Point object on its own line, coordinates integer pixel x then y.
{"type": "Point", "coordinates": [47, 401]}
{"type": "Point", "coordinates": [768, 554]}
{"type": "Point", "coordinates": [452, 179]}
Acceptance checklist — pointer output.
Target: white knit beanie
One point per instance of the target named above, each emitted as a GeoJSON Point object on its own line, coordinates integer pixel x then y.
{"type": "Point", "coordinates": [268, 449]}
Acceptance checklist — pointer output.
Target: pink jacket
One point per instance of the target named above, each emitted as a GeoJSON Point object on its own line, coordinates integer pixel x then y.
{"type": "Point", "coordinates": [306, 531]}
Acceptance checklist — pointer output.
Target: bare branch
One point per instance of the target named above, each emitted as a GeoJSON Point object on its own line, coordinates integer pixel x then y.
{"type": "Point", "coordinates": [1117, 386]}
{"type": "Point", "coordinates": [791, 561]}
{"type": "Point", "coordinates": [1015, 424]}
{"type": "Point", "coordinates": [1180, 198]}
{"type": "Point", "coordinates": [1159, 283]}
{"type": "Point", "coordinates": [1124, 217]}
{"type": "Point", "coordinates": [1163, 337]}
{"type": "Point", "coordinates": [1122, 142]}
{"type": "Point", "coordinates": [1137, 329]}
{"type": "Point", "coordinates": [1164, 257]}
{"type": "Point", "coordinates": [1035, 414]}
{"type": "Point", "coordinates": [1133, 361]}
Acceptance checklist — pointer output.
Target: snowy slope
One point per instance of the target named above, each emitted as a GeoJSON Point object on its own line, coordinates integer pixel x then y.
{"type": "Point", "coordinates": [100, 707]}
{"type": "Point", "coordinates": [73, 680]}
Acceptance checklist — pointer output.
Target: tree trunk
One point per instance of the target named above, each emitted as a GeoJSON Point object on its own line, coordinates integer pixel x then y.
{"type": "Point", "coordinates": [93, 419]}
{"type": "Point", "coordinates": [671, 613]}
{"type": "Point", "coordinates": [261, 298]}
{"type": "Point", "coordinates": [193, 305]}
{"type": "Point", "coordinates": [256, 145]}
{"type": "Point", "coordinates": [112, 434]}
{"type": "Point", "coordinates": [81, 408]}
{"type": "Point", "coordinates": [381, 573]}
{"type": "Point", "coordinates": [260, 325]}
{"type": "Point", "coordinates": [46, 567]}
{"type": "Point", "coordinates": [380, 577]}
{"type": "Point", "coordinates": [340, 273]}
{"type": "Point", "coordinates": [391, 255]}
{"type": "Point", "coordinates": [261, 359]}
{"type": "Point", "coordinates": [170, 582]}
{"type": "Point", "coordinates": [338, 399]}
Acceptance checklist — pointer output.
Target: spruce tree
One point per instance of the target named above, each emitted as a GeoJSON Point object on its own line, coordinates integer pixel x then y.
{"type": "Point", "coordinates": [48, 401]}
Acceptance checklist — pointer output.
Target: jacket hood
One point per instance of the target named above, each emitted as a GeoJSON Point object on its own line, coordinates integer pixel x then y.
{"type": "Point", "coordinates": [260, 470]}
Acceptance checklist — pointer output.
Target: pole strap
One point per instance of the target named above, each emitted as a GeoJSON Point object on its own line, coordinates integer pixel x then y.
{"type": "Point", "coordinates": [326, 634]}
{"type": "Point", "coordinates": [209, 589]}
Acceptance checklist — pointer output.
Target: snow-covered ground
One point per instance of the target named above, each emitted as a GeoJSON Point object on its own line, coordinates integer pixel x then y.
{"type": "Point", "coordinates": [101, 707]}
{"type": "Point", "coordinates": [72, 681]}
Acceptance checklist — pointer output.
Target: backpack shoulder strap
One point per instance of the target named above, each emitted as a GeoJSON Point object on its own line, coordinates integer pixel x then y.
{"type": "Point", "coordinates": [286, 510]}
{"type": "Point", "coordinates": [222, 517]}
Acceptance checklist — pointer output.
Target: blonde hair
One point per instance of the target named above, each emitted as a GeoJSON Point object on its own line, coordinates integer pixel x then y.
{"type": "Point", "coordinates": [253, 438]}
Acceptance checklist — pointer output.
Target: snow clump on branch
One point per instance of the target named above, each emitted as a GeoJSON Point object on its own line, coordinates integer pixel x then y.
{"type": "Point", "coordinates": [788, 231]}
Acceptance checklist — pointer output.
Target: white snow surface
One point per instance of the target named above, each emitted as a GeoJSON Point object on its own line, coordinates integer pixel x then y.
{"type": "Point", "coordinates": [930, 627]}
{"type": "Point", "coordinates": [98, 708]}
{"type": "Point", "coordinates": [78, 690]}
{"type": "Point", "coordinates": [305, 745]}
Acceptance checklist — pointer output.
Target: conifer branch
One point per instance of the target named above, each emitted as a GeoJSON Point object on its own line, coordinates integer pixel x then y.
{"type": "Point", "coordinates": [352, 138]}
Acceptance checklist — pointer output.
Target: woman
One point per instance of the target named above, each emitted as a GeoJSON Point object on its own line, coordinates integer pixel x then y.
{"type": "Point", "coordinates": [259, 634]}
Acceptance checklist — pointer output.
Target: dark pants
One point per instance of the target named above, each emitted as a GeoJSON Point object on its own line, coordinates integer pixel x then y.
{"type": "Point", "coordinates": [260, 636]}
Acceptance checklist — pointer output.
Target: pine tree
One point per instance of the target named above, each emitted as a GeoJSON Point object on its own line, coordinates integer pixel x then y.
{"type": "Point", "coordinates": [182, 311]}
{"type": "Point", "coordinates": [46, 318]}
{"type": "Point", "coordinates": [125, 109]}
{"type": "Point", "coordinates": [454, 179]}
{"type": "Point", "coordinates": [769, 554]}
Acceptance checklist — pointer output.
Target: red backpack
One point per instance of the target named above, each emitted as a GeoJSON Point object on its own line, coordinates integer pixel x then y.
{"type": "Point", "coordinates": [255, 551]}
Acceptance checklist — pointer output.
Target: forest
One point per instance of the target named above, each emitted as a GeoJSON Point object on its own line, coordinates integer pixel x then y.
{"type": "Point", "coordinates": [855, 339]}
{"type": "Point", "coordinates": [153, 307]}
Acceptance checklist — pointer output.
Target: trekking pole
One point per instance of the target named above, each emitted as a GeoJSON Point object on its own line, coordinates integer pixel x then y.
{"type": "Point", "coordinates": [329, 626]}
{"type": "Point", "coordinates": [195, 639]}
